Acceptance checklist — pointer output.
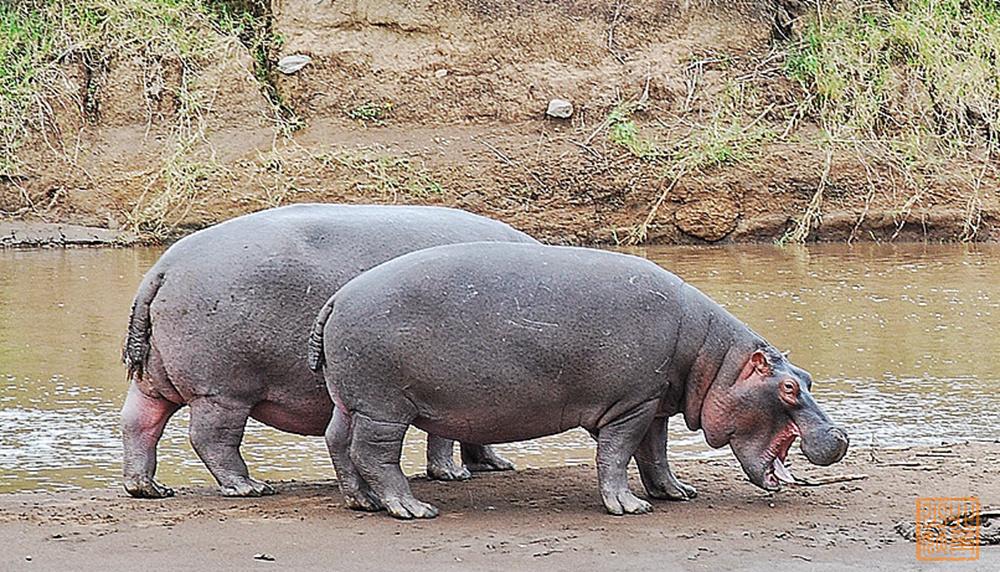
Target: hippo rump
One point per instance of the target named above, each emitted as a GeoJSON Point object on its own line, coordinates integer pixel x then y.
{"type": "Point", "coordinates": [492, 343]}
{"type": "Point", "coordinates": [221, 323]}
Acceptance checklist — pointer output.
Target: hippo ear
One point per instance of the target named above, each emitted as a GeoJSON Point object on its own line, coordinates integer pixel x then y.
{"type": "Point", "coordinates": [760, 363]}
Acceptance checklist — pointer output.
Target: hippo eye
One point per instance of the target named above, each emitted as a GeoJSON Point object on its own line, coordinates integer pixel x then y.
{"type": "Point", "coordinates": [790, 388]}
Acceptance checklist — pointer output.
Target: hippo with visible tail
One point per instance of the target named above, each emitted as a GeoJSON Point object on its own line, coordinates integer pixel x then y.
{"type": "Point", "coordinates": [491, 343]}
{"type": "Point", "coordinates": [220, 323]}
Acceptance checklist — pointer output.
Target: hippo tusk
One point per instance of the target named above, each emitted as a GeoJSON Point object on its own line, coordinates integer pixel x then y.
{"type": "Point", "coordinates": [782, 472]}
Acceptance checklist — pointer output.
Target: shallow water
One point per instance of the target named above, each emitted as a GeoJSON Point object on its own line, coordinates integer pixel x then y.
{"type": "Point", "coordinates": [900, 339]}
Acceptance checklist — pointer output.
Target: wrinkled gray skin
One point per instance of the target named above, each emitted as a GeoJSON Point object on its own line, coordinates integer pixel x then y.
{"type": "Point", "coordinates": [490, 343]}
{"type": "Point", "coordinates": [221, 322]}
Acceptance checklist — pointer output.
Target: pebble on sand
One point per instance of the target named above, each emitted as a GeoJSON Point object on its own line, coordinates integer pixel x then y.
{"type": "Point", "coordinates": [560, 109]}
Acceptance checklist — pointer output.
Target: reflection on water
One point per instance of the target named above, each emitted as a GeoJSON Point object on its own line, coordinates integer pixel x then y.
{"type": "Point", "coordinates": [899, 338]}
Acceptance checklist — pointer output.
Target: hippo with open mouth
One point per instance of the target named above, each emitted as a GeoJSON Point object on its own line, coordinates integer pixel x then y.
{"type": "Point", "coordinates": [218, 324]}
{"type": "Point", "coordinates": [492, 343]}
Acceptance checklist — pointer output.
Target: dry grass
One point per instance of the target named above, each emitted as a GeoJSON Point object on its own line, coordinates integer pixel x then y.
{"type": "Point", "coordinates": [915, 86]}
{"type": "Point", "coordinates": [39, 38]}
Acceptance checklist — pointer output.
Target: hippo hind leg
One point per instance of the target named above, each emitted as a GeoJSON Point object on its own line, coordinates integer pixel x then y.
{"type": "Point", "coordinates": [441, 464]}
{"type": "Point", "coordinates": [216, 434]}
{"type": "Point", "coordinates": [376, 447]}
{"type": "Point", "coordinates": [617, 441]}
{"type": "Point", "coordinates": [143, 420]}
{"type": "Point", "coordinates": [654, 470]}
{"type": "Point", "coordinates": [357, 494]}
{"type": "Point", "coordinates": [482, 458]}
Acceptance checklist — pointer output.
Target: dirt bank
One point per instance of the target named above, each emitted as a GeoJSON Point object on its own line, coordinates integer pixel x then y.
{"type": "Point", "coordinates": [529, 519]}
{"type": "Point", "coordinates": [686, 129]}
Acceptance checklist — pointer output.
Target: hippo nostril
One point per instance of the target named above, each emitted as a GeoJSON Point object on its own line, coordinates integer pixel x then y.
{"type": "Point", "coordinates": [839, 436]}
{"type": "Point", "coordinates": [825, 446]}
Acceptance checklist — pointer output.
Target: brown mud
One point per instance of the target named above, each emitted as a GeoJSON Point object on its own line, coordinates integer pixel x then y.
{"type": "Point", "coordinates": [442, 102]}
{"type": "Point", "coordinates": [529, 519]}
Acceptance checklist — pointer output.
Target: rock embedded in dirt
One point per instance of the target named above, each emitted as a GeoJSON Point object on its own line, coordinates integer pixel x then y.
{"type": "Point", "coordinates": [709, 218]}
{"type": "Point", "coordinates": [291, 64]}
{"type": "Point", "coordinates": [560, 109]}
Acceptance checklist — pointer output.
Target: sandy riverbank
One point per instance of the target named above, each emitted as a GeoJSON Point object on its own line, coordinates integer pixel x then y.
{"type": "Point", "coordinates": [538, 518]}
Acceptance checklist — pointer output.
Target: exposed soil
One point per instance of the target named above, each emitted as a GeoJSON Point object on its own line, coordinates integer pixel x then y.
{"type": "Point", "coordinates": [460, 88]}
{"type": "Point", "coordinates": [539, 518]}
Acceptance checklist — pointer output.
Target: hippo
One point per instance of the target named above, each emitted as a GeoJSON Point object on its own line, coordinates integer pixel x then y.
{"type": "Point", "coordinates": [493, 343]}
{"type": "Point", "coordinates": [221, 323]}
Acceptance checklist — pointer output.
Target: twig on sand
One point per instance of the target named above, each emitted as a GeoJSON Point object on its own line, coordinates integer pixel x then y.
{"type": "Point", "coordinates": [512, 163]}
{"type": "Point", "coordinates": [987, 534]}
{"type": "Point", "coordinates": [640, 232]}
{"type": "Point", "coordinates": [611, 32]}
{"type": "Point", "coordinates": [820, 481]}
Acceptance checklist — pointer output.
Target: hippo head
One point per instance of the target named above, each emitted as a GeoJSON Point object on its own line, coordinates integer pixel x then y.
{"type": "Point", "coordinates": [762, 412]}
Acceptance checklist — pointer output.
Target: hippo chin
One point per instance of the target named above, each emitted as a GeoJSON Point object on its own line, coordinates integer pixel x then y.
{"type": "Point", "coordinates": [217, 325]}
{"type": "Point", "coordinates": [491, 343]}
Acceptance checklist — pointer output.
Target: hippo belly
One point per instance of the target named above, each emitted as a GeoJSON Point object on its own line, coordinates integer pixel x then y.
{"type": "Point", "coordinates": [305, 417]}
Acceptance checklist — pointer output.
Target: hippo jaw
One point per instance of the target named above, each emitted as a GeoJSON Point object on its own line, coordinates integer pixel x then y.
{"type": "Point", "coordinates": [766, 466]}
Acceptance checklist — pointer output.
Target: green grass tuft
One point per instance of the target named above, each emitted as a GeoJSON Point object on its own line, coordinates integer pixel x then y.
{"type": "Point", "coordinates": [374, 112]}
{"type": "Point", "coordinates": [623, 131]}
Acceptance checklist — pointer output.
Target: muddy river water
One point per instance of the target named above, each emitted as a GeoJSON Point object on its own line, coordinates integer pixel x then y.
{"type": "Point", "coordinates": [901, 339]}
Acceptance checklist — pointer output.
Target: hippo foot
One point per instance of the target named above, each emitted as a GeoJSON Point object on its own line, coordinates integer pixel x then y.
{"type": "Point", "coordinates": [480, 459]}
{"type": "Point", "coordinates": [410, 508]}
{"type": "Point", "coordinates": [626, 503]}
{"type": "Point", "coordinates": [362, 500]}
{"type": "Point", "coordinates": [248, 488]}
{"type": "Point", "coordinates": [494, 464]}
{"type": "Point", "coordinates": [674, 490]}
{"type": "Point", "coordinates": [450, 472]}
{"type": "Point", "coordinates": [146, 488]}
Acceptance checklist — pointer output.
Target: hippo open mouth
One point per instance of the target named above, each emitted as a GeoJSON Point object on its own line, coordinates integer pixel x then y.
{"type": "Point", "coordinates": [773, 461]}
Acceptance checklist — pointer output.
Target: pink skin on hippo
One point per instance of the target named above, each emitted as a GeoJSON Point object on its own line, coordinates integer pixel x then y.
{"type": "Point", "coordinates": [492, 343]}
{"type": "Point", "coordinates": [220, 324]}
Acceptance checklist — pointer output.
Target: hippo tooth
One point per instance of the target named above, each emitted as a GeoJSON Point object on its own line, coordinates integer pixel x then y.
{"type": "Point", "coordinates": [782, 473]}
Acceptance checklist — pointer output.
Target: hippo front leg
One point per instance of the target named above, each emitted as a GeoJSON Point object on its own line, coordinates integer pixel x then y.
{"type": "Point", "coordinates": [216, 434]}
{"type": "Point", "coordinates": [616, 443]}
{"type": "Point", "coordinates": [654, 469]}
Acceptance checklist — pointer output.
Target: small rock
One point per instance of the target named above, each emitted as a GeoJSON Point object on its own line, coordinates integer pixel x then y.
{"type": "Point", "coordinates": [263, 556]}
{"type": "Point", "coordinates": [293, 63]}
{"type": "Point", "coordinates": [440, 73]}
{"type": "Point", "coordinates": [28, 558]}
{"type": "Point", "coordinates": [560, 109]}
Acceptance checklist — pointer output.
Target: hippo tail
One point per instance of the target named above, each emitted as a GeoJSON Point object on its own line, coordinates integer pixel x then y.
{"type": "Point", "coordinates": [316, 357]}
{"type": "Point", "coordinates": [136, 349]}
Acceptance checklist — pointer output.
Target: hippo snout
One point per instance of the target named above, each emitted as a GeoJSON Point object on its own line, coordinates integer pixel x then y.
{"type": "Point", "coordinates": [825, 446]}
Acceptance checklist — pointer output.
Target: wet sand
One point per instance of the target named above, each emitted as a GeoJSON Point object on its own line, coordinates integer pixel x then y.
{"type": "Point", "coordinates": [539, 519]}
